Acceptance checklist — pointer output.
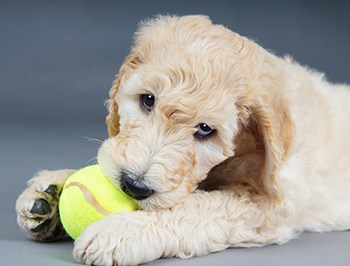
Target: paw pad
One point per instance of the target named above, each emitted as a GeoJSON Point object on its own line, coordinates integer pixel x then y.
{"type": "Point", "coordinates": [41, 207]}
{"type": "Point", "coordinates": [41, 226]}
{"type": "Point", "coordinates": [52, 190]}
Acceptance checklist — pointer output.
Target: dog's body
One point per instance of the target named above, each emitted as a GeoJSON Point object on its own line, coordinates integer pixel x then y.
{"type": "Point", "coordinates": [196, 105]}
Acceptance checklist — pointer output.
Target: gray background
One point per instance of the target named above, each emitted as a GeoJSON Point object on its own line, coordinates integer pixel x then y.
{"type": "Point", "coordinates": [57, 61]}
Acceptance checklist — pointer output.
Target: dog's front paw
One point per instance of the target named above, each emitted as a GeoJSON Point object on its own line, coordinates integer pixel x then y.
{"type": "Point", "coordinates": [123, 239]}
{"type": "Point", "coordinates": [37, 213]}
{"type": "Point", "coordinates": [37, 206]}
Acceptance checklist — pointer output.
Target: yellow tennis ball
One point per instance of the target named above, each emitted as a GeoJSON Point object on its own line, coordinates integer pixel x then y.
{"type": "Point", "coordinates": [88, 196]}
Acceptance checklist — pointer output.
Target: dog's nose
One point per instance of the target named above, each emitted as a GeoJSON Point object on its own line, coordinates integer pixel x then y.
{"type": "Point", "coordinates": [133, 186]}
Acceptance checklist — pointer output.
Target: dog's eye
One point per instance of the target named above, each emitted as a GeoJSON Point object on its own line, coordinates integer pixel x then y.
{"type": "Point", "coordinates": [147, 101]}
{"type": "Point", "coordinates": [203, 131]}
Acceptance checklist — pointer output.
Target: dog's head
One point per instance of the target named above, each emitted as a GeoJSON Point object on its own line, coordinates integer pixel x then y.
{"type": "Point", "coordinates": [181, 98]}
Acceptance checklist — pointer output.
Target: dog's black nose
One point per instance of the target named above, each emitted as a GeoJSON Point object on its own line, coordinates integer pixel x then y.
{"type": "Point", "coordinates": [133, 186]}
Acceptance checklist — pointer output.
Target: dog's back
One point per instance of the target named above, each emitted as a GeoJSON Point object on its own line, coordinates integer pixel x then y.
{"type": "Point", "coordinates": [316, 176]}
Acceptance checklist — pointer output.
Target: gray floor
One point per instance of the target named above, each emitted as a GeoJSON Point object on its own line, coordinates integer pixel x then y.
{"type": "Point", "coordinates": [57, 61]}
{"type": "Point", "coordinates": [24, 147]}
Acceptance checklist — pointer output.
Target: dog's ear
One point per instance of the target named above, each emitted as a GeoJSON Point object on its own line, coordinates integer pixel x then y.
{"type": "Point", "coordinates": [275, 125]}
{"type": "Point", "coordinates": [267, 119]}
{"type": "Point", "coordinates": [112, 119]}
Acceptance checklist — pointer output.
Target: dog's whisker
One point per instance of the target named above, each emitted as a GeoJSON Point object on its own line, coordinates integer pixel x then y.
{"type": "Point", "coordinates": [93, 140]}
{"type": "Point", "coordinates": [92, 161]}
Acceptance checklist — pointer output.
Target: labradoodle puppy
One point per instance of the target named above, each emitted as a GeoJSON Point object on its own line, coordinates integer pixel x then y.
{"type": "Point", "coordinates": [221, 143]}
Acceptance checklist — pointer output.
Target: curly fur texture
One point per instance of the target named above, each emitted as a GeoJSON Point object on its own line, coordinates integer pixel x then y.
{"type": "Point", "coordinates": [277, 164]}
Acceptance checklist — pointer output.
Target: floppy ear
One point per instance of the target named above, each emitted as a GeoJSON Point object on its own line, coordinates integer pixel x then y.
{"type": "Point", "coordinates": [275, 127]}
{"type": "Point", "coordinates": [112, 119]}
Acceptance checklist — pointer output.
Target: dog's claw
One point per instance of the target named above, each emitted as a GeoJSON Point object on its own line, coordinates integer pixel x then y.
{"type": "Point", "coordinates": [41, 207]}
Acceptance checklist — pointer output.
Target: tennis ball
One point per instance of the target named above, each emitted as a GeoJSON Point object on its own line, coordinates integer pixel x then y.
{"type": "Point", "coordinates": [88, 196]}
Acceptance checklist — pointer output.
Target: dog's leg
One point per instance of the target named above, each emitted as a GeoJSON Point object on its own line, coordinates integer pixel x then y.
{"type": "Point", "coordinates": [37, 206]}
{"type": "Point", "coordinates": [204, 223]}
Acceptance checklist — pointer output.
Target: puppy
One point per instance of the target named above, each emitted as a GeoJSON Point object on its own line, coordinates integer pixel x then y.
{"type": "Point", "coordinates": [221, 143]}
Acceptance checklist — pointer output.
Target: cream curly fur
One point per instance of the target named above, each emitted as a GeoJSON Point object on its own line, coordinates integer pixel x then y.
{"type": "Point", "coordinates": [278, 163]}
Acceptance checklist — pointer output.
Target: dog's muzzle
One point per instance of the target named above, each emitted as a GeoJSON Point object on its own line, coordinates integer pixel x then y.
{"type": "Point", "coordinates": [134, 186]}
